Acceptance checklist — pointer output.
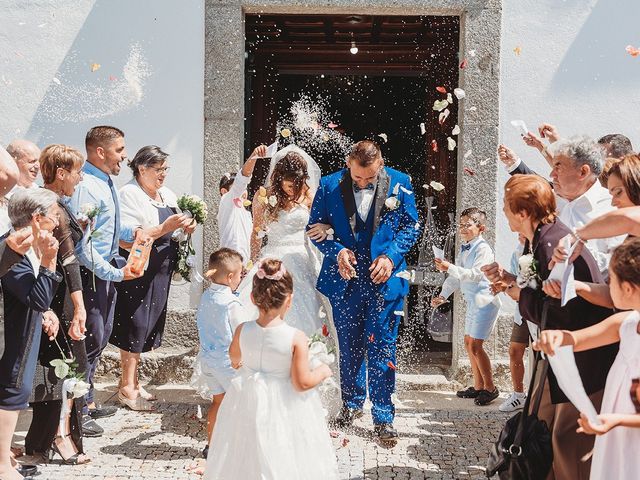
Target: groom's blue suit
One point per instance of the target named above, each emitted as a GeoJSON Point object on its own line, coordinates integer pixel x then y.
{"type": "Point", "coordinates": [365, 314]}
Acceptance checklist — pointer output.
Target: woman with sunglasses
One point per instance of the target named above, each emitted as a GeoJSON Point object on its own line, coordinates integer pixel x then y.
{"type": "Point", "coordinates": [141, 307]}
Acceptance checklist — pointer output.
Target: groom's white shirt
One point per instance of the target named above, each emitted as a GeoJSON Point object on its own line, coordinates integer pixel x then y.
{"type": "Point", "coordinates": [364, 200]}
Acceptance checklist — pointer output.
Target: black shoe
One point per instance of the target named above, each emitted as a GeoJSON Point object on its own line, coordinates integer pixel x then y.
{"type": "Point", "coordinates": [346, 417]}
{"type": "Point", "coordinates": [468, 393]}
{"type": "Point", "coordinates": [205, 452]}
{"type": "Point", "coordinates": [90, 428]}
{"type": "Point", "coordinates": [385, 432]}
{"type": "Point", "coordinates": [27, 470]}
{"type": "Point", "coordinates": [102, 411]}
{"type": "Point", "coordinates": [485, 397]}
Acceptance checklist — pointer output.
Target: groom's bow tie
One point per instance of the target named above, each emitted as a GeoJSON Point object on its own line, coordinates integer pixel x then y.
{"type": "Point", "coordinates": [464, 248]}
{"type": "Point", "coordinates": [369, 186]}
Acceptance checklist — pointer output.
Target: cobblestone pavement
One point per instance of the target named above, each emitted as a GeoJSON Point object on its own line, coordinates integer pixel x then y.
{"type": "Point", "coordinates": [441, 437]}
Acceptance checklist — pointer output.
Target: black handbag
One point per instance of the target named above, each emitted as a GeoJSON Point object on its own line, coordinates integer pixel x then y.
{"type": "Point", "coordinates": [524, 450]}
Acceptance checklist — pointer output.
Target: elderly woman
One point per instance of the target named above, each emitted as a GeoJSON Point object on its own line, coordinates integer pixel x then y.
{"type": "Point", "coordinates": [61, 168]}
{"type": "Point", "coordinates": [141, 307]}
{"type": "Point", "coordinates": [530, 208]}
{"type": "Point", "coordinates": [28, 290]}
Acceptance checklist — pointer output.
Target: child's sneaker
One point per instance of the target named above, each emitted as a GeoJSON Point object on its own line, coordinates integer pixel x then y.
{"type": "Point", "coordinates": [468, 393]}
{"type": "Point", "coordinates": [513, 403]}
{"type": "Point", "coordinates": [485, 397]}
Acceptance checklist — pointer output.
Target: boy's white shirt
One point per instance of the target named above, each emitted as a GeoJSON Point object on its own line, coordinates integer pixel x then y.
{"type": "Point", "coordinates": [458, 275]}
{"type": "Point", "coordinates": [235, 223]}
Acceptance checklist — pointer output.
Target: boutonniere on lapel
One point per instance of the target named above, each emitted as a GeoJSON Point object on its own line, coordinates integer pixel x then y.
{"type": "Point", "coordinates": [528, 272]}
{"type": "Point", "coordinates": [393, 202]}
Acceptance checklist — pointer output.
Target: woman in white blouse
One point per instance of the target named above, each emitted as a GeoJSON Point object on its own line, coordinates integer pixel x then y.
{"type": "Point", "coordinates": [141, 305]}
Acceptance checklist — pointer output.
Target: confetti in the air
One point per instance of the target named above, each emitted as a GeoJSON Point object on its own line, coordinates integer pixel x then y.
{"type": "Point", "coordinates": [469, 171]}
{"type": "Point", "coordinates": [332, 125]}
{"type": "Point", "coordinates": [517, 50]}
{"type": "Point", "coordinates": [472, 53]}
{"type": "Point", "coordinates": [441, 89]}
{"type": "Point", "coordinates": [95, 67]}
{"type": "Point", "coordinates": [442, 117]}
{"type": "Point", "coordinates": [399, 313]}
{"type": "Point", "coordinates": [56, 81]}
{"type": "Point", "coordinates": [449, 98]}
{"type": "Point", "coordinates": [463, 64]}
{"type": "Point", "coordinates": [451, 144]}
{"type": "Point", "coordinates": [459, 93]}
{"type": "Point", "coordinates": [467, 154]}
{"type": "Point", "coordinates": [371, 338]}
{"type": "Point", "coordinates": [437, 186]}
{"type": "Point", "coordinates": [384, 137]}
{"type": "Point", "coordinates": [440, 105]}
{"type": "Point", "coordinates": [633, 51]}
{"type": "Point", "coordinates": [285, 132]}
{"type": "Point", "coordinates": [423, 129]}
{"type": "Point", "coordinates": [391, 365]}
{"type": "Point", "coordinates": [456, 130]}
{"type": "Point", "coordinates": [434, 145]}
{"type": "Point", "coordinates": [246, 203]}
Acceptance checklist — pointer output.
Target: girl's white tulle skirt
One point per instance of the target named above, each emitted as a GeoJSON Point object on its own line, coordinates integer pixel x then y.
{"type": "Point", "coordinates": [266, 430]}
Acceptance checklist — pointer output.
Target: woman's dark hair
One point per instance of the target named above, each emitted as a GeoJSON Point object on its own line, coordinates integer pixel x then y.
{"type": "Point", "coordinates": [628, 171]}
{"type": "Point", "coordinates": [625, 261]}
{"type": "Point", "coordinates": [148, 156]}
{"type": "Point", "coordinates": [291, 167]}
{"type": "Point", "coordinates": [270, 293]}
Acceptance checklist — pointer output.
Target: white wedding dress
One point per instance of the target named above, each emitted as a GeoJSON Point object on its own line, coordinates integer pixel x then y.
{"type": "Point", "coordinates": [287, 241]}
{"type": "Point", "coordinates": [265, 429]}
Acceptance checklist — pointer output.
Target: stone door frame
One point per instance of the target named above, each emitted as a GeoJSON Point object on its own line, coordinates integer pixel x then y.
{"type": "Point", "coordinates": [224, 101]}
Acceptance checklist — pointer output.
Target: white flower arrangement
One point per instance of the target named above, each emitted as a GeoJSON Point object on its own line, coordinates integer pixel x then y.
{"type": "Point", "coordinates": [528, 272]}
{"type": "Point", "coordinates": [392, 203]}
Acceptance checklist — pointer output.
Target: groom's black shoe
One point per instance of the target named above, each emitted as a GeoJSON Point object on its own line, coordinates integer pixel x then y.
{"type": "Point", "coordinates": [346, 417]}
{"type": "Point", "coordinates": [385, 432]}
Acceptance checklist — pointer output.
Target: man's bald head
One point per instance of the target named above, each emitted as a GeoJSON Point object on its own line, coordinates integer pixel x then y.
{"type": "Point", "coordinates": [26, 155]}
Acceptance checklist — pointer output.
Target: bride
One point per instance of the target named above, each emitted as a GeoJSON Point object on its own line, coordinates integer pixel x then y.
{"type": "Point", "coordinates": [280, 214]}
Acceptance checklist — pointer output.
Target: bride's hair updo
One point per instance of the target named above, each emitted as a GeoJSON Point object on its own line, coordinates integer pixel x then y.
{"type": "Point", "coordinates": [291, 167]}
{"type": "Point", "coordinates": [272, 284]}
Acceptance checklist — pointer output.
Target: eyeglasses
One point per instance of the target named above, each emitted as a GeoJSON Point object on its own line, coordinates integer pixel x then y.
{"type": "Point", "coordinates": [80, 173]}
{"type": "Point", "coordinates": [161, 170]}
{"type": "Point", "coordinates": [55, 219]}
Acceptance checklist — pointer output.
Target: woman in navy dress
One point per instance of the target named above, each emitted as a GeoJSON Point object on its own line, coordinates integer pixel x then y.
{"type": "Point", "coordinates": [28, 289]}
{"type": "Point", "coordinates": [141, 307]}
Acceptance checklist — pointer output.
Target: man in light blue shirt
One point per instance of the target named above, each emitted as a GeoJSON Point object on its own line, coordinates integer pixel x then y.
{"type": "Point", "coordinates": [101, 264]}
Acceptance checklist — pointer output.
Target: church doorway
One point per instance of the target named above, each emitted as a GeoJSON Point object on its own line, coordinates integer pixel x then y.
{"type": "Point", "coordinates": [373, 77]}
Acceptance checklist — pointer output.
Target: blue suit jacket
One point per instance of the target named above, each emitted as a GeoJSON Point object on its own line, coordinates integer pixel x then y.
{"type": "Point", "coordinates": [394, 230]}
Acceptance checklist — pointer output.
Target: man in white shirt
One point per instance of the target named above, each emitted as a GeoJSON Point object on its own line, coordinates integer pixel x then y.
{"type": "Point", "coordinates": [577, 162]}
{"type": "Point", "coordinates": [234, 220]}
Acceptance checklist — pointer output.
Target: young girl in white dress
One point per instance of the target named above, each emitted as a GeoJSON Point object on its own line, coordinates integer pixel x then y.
{"type": "Point", "coordinates": [615, 454]}
{"type": "Point", "coordinates": [271, 424]}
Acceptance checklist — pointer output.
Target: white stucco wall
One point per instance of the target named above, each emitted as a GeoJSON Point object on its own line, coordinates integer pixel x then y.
{"type": "Point", "coordinates": [150, 82]}
{"type": "Point", "coordinates": [572, 71]}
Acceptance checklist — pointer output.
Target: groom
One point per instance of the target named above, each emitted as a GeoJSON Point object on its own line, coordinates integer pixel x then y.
{"type": "Point", "coordinates": [372, 211]}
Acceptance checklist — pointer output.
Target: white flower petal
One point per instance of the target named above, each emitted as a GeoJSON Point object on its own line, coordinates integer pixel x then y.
{"type": "Point", "coordinates": [423, 129]}
{"type": "Point", "coordinates": [440, 105]}
{"type": "Point", "coordinates": [437, 186]}
{"type": "Point", "coordinates": [456, 130]}
{"type": "Point", "coordinates": [459, 93]}
{"type": "Point", "coordinates": [451, 144]}
{"type": "Point", "coordinates": [384, 137]}
{"type": "Point", "coordinates": [449, 98]}
{"type": "Point", "coordinates": [400, 313]}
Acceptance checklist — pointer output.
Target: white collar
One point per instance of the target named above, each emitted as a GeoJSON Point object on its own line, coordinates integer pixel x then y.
{"type": "Point", "coordinates": [216, 287]}
{"type": "Point", "coordinates": [593, 196]}
{"type": "Point", "coordinates": [473, 241]}
{"type": "Point", "coordinates": [33, 260]}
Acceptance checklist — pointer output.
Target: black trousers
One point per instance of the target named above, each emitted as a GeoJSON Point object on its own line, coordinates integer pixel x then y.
{"type": "Point", "coordinates": [44, 425]}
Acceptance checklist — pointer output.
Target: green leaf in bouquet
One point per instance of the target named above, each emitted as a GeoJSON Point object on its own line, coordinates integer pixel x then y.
{"type": "Point", "coordinates": [62, 370]}
{"type": "Point", "coordinates": [56, 361]}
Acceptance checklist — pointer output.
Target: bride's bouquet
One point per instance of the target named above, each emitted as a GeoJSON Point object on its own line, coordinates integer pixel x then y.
{"type": "Point", "coordinates": [194, 207]}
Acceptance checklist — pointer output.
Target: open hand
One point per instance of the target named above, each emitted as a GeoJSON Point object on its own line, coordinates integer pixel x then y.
{"type": "Point", "coordinates": [608, 421]}
{"type": "Point", "coordinates": [437, 301]}
{"type": "Point", "coordinates": [20, 241]}
{"type": "Point", "coordinates": [381, 269]}
{"type": "Point", "coordinates": [346, 261]}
